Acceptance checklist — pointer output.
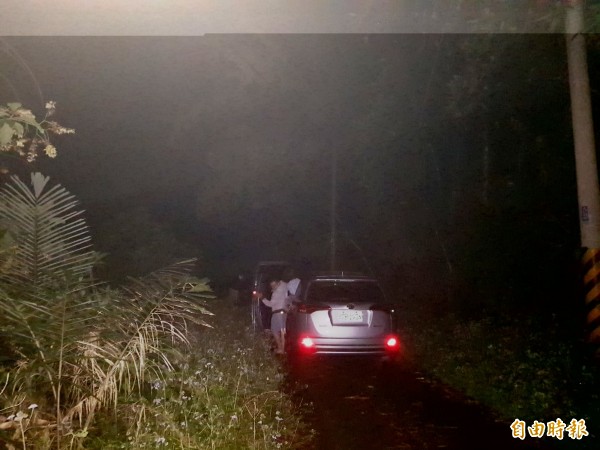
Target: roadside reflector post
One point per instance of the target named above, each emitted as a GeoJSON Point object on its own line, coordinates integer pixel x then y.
{"type": "Point", "coordinates": [586, 166]}
{"type": "Point", "coordinates": [591, 280]}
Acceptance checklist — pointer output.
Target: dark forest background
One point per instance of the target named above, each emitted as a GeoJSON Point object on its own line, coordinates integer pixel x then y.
{"type": "Point", "coordinates": [455, 167]}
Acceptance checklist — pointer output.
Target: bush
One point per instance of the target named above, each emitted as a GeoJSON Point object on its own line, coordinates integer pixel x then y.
{"type": "Point", "coordinates": [519, 367]}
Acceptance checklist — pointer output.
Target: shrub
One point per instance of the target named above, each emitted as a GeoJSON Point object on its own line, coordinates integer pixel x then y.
{"type": "Point", "coordinates": [122, 368]}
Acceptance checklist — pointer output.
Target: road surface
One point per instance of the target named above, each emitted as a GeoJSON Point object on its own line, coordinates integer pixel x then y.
{"type": "Point", "coordinates": [358, 404]}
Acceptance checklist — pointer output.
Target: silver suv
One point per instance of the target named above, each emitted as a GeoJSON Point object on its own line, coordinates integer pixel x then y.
{"type": "Point", "coordinates": [342, 313]}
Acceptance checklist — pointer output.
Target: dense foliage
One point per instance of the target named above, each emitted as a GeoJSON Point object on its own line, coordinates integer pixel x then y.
{"type": "Point", "coordinates": [522, 366]}
{"type": "Point", "coordinates": [90, 366]}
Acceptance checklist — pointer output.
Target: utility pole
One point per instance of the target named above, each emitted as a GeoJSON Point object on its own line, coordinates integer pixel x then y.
{"type": "Point", "coordinates": [333, 209]}
{"type": "Point", "coordinates": [585, 161]}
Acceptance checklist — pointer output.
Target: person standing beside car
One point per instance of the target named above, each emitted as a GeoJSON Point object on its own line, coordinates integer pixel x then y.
{"type": "Point", "coordinates": [279, 315]}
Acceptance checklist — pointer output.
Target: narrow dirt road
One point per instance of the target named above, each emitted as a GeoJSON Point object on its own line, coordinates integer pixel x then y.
{"type": "Point", "coordinates": [360, 405]}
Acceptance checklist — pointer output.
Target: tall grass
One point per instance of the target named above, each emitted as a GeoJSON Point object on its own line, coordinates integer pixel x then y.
{"type": "Point", "coordinates": [221, 394]}
{"type": "Point", "coordinates": [84, 351]}
{"type": "Point", "coordinates": [125, 386]}
{"type": "Point", "coordinates": [521, 367]}
{"type": "Point", "coordinates": [92, 367]}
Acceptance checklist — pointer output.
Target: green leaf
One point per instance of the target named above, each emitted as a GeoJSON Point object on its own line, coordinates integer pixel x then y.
{"type": "Point", "coordinates": [81, 433]}
{"type": "Point", "coordinates": [6, 134]}
{"type": "Point", "coordinates": [20, 129]}
{"type": "Point", "coordinates": [13, 106]}
{"type": "Point", "coordinates": [52, 240]}
{"type": "Point", "coordinates": [32, 123]}
{"type": "Point", "coordinates": [6, 240]}
{"type": "Point", "coordinates": [200, 287]}
{"type": "Point", "coordinates": [38, 181]}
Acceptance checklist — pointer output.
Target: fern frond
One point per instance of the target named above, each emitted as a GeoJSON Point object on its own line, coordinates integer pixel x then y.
{"type": "Point", "coordinates": [52, 241]}
{"type": "Point", "coordinates": [153, 315]}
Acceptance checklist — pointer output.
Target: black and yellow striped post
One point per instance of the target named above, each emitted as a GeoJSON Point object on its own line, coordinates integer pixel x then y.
{"type": "Point", "coordinates": [588, 186]}
{"type": "Point", "coordinates": [591, 281]}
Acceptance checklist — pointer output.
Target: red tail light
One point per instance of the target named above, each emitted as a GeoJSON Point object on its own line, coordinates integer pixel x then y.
{"type": "Point", "coordinates": [308, 308]}
{"type": "Point", "coordinates": [392, 343]}
{"type": "Point", "coordinates": [307, 342]}
{"type": "Point", "coordinates": [307, 345]}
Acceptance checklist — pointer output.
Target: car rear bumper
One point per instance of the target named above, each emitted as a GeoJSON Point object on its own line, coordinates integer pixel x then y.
{"type": "Point", "coordinates": [328, 346]}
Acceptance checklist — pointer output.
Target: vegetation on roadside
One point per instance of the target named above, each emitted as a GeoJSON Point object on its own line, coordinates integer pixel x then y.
{"type": "Point", "coordinates": [521, 367]}
{"type": "Point", "coordinates": [22, 135]}
{"type": "Point", "coordinates": [87, 366]}
{"type": "Point", "coordinates": [222, 394]}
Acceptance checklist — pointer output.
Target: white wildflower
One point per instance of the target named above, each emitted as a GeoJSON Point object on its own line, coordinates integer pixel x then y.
{"type": "Point", "coordinates": [51, 104]}
{"type": "Point", "coordinates": [20, 416]}
{"type": "Point", "coordinates": [50, 150]}
{"type": "Point", "coordinates": [64, 130]}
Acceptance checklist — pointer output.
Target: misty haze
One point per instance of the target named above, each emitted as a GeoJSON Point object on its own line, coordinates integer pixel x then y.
{"type": "Point", "coordinates": [441, 166]}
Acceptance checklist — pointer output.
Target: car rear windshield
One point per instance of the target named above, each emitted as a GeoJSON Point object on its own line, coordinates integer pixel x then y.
{"type": "Point", "coordinates": [344, 292]}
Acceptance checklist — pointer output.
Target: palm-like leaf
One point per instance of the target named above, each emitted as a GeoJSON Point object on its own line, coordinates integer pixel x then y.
{"type": "Point", "coordinates": [51, 237]}
{"type": "Point", "coordinates": [44, 327]}
{"type": "Point", "coordinates": [79, 345]}
{"type": "Point", "coordinates": [82, 346]}
{"type": "Point", "coordinates": [153, 314]}
{"type": "Point", "coordinates": [90, 346]}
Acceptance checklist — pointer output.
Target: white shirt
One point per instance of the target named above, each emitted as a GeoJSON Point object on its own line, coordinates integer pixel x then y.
{"type": "Point", "coordinates": [278, 298]}
{"type": "Point", "coordinates": [292, 286]}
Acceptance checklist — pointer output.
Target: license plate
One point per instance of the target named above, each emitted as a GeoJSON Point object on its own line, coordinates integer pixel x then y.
{"type": "Point", "coordinates": [348, 316]}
